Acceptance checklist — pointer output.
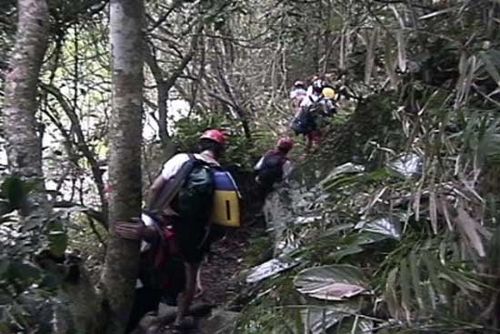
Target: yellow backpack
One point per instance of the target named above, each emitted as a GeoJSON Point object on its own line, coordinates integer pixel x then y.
{"type": "Point", "coordinates": [226, 209]}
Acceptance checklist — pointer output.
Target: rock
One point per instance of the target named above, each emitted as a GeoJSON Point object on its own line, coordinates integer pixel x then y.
{"type": "Point", "coordinates": [220, 322]}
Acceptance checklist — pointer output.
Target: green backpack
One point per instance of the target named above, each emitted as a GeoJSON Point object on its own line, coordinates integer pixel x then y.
{"type": "Point", "coordinates": [196, 196]}
{"type": "Point", "coordinates": [190, 191]}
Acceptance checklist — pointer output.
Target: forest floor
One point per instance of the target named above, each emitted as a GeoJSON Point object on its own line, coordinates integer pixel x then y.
{"type": "Point", "coordinates": [219, 272]}
{"type": "Point", "coordinates": [220, 276]}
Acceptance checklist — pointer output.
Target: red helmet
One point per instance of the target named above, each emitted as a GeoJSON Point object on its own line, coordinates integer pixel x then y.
{"type": "Point", "coordinates": [215, 135]}
{"type": "Point", "coordinates": [285, 144]}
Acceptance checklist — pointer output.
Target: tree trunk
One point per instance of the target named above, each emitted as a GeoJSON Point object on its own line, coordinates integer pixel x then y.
{"type": "Point", "coordinates": [20, 126]}
{"type": "Point", "coordinates": [120, 272]}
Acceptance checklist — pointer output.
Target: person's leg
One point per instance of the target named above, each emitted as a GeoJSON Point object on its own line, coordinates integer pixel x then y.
{"type": "Point", "coordinates": [309, 141]}
{"type": "Point", "coordinates": [185, 299]}
{"type": "Point", "coordinates": [199, 285]}
{"type": "Point", "coordinates": [175, 280]}
{"type": "Point", "coordinates": [313, 139]}
{"type": "Point", "coordinates": [316, 138]}
{"type": "Point", "coordinates": [145, 300]}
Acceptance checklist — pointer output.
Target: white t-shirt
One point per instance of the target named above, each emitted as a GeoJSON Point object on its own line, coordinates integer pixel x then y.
{"type": "Point", "coordinates": [174, 164]}
{"type": "Point", "coordinates": [298, 93]}
{"type": "Point", "coordinates": [312, 99]}
{"type": "Point", "coordinates": [309, 100]}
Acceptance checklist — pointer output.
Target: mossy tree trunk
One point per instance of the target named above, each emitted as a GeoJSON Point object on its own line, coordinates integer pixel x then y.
{"type": "Point", "coordinates": [23, 144]}
{"type": "Point", "coordinates": [126, 22]}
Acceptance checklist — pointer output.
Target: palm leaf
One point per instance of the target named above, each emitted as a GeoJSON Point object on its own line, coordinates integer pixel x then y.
{"type": "Point", "coordinates": [335, 282]}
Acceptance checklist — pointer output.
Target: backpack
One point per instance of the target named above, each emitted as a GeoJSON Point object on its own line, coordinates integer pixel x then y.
{"type": "Point", "coordinates": [226, 209]}
{"type": "Point", "coordinates": [191, 194]}
{"type": "Point", "coordinates": [202, 190]}
{"type": "Point", "coordinates": [303, 123]}
{"type": "Point", "coordinates": [156, 262]}
{"type": "Point", "coordinates": [272, 168]}
{"type": "Point", "coordinates": [191, 188]}
{"type": "Point", "coordinates": [195, 198]}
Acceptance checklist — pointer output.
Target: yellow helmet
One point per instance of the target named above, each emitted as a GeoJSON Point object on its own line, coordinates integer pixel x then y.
{"type": "Point", "coordinates": [329, 93]}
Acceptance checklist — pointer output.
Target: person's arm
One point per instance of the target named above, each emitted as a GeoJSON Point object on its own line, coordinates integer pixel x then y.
{"type": "Point", "coordinates": [169, 170]}
{"type": "Point", "coordinates": [287, 169]}
{"type": "Point", "coordinates": [154, 190]}
{"type": "Point", "coordinates": [186, 298]}
{"type": "Point", "coordinates": [306, 102]}
{"type": "Point", "coordinates": [259, 164]}
{"type": "Point", "coordinates": [134, 230]}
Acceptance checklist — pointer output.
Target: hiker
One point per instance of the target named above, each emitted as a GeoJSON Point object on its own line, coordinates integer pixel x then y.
{"type": "Point", "coordinates": [177, 236]}
{"type": "Point", "coordinates": [274, 166]}
{"type": "Point", "coordinates": [314, 91]}
{"type": "Point", "coordinates": [298, 93]}
{"type": "Point", "coordinates": [307, 120]}
{"type": "Point", "coordinates": [327, 101]}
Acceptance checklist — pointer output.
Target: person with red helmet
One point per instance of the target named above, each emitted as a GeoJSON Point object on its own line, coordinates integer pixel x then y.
{"type": "Point", "coordinates": [179, 241]}
{"type": "Point", "coordinates": [211, 146]}
{"type": "Point", "coordinates": [274, 166]}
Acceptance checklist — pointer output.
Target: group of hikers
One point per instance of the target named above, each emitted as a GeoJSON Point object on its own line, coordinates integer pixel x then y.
{"type": "Point", "coordinates": [192, 202]}
{"type": "Point", "coordinates": [312, 105]}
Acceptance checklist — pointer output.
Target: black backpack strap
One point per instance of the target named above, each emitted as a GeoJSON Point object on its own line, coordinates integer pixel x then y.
{"type": "Point", "coordinates": [198, 162]}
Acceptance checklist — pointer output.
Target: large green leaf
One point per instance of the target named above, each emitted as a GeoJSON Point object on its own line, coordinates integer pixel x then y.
{"type": "Point", "coordinates": [270, 268]}
{"type": "Point", "coordinates": [335, 282]}
{"type": "Point", "coordinates": [318, 319]}
{"type": "Point", "coordinates": [347, 168]}
{"type": "Point", "coordinates": [366, 238]}
{"type": "Point", "coordinates": [355, 325]}
{"type": "Point", "coordinates": [407, 166]}
{"type": "Point", "coordinates": [349, 250]}
{"type": "Point", "coordinates": [387, 226]}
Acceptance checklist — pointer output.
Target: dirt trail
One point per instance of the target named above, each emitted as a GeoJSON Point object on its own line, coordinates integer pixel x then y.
{"type": "Point", "coordinates": [219, 271]}
{"type": "Point", "coordinates": [219, 278]}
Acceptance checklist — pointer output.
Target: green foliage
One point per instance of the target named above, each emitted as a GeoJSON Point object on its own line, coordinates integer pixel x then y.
{"type": "Point", "coordinates": [422, 280]}
{"type": "Point", "coordinates": [28, 278]}
{"type": "Point", "coordinates": [240, 151]}
{"type": "Point", "coordinates": [260, 251]}
{"type": "Point", "coordinates": [413, 220]}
